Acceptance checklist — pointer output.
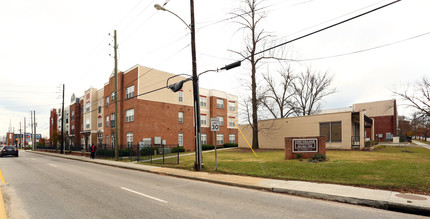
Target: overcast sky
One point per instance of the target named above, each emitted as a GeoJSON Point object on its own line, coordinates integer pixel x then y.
{"type": "Point", "coordinates": [45, 43]}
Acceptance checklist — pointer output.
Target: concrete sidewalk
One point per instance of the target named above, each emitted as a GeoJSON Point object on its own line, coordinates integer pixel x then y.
{"type": "Point", "coordinates": [418, 143]}
{"type": "Point", "coordinates": [409, 203]}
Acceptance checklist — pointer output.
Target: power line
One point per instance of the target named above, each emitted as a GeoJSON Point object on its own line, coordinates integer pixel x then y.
{"type": "Point", "coordinates": [322, 29]}
{"type": "Point", "coordinates": [332, 19]}
{"type": "Point", "coordinates": [363, 50]}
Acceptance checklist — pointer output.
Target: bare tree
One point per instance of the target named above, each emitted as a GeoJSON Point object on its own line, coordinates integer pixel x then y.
{"type": "Point", "coordinates": [418, 97]}
{"type": "Point", "coordinates": [310, 88]}
{"type": "Point", "coordinates": [277, 97]}
{"type": "Point", "coordinates": [249, 19]}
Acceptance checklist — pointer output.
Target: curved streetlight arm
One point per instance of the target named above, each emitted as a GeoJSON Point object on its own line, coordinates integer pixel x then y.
{"type": "Point", "coordinates": [161, 8]}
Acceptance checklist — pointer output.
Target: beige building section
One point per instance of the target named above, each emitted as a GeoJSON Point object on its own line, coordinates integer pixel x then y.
{"type": "Point", "coordinates": [150, 79]}
{"type": "Point", "coordinates": [273, 132]}
{"type": "Point", "coordinates": [377, 108]}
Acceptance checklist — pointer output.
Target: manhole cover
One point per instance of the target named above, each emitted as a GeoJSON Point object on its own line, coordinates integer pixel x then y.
{"type": "Point", "coordinates": [412, 197]}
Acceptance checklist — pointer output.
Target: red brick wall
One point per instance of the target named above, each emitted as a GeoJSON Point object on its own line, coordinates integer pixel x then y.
{"type": "Point", "coordinates": [382, 125]}
{"type": "Point", "coordinates": [77, 121]}
{"type": "Point", "coordinates": [216, 112]}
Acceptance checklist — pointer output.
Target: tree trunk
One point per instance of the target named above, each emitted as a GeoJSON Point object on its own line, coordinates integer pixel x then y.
{"type": "Point", "coordinates": [255, 144]}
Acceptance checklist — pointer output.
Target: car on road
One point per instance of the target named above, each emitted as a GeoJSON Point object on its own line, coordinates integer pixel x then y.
{"type": "Point", "coordinates": [9, 150]}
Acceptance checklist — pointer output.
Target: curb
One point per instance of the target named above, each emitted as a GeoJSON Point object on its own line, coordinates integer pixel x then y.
{"type": "Point", "coordinates": [386, 205]}
{"type": "Point", "coordinates": [2, 206]}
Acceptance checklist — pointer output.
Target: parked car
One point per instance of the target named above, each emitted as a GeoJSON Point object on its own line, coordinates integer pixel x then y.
{"type": "Point", "coordinates": [9, 150]}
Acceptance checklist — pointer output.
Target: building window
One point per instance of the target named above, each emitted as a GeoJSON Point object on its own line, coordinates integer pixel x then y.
{"type": "Point", "coordinates": [130, 139]}
{"type": "Point", "coordinates": [181, 96]}
{"type": "Point", "coordinates": [112, 120]}
{"type": "Point", "coordinates": [107, 101]}
{"type": "Point", "coordinates": [100, 106]}
{"type": "Point", "coordinates": [221, 120]}
{"type": "Point", "coordinates": [129, 115]}
{"type": "Point", "coordinates": [73, 129]}
{"type": "Point", "coordinates": [100, 122]}
{"type": "Point", "coordinates": [129, 92]}
{"type": "Point", "coordinates": [107, 139]}
{"type": "Point", "coordinates": [87, 123]}
{"type": "Point", "coordinates": [181, 139]}
{"type": "Point", "coordinates": [220, 103]}
{"type": "Point", "coordinates": [332, 131]}
{"type": "Point", "coordinates": [232, 138]}
{"type": "Point", "coordinates": [204, 139]}
{"type": "Point", "coordinates": [203, 101]}
{"type": "Point", "coordinates": [232, 106]}
{"type": "Point", "coordinates": [231, 122]}
{"type": "Point", "coordinates": [219, 139]}
{"type": "Point", "coordinates": [180, 117]}
{"type": "Point", "coordinates": [107, 122]}
{"type": "Point", "coordinates": [87, 107]}
{"type": "Point", "coordinates": [112, 96]}
{"type": "Point", "coordinates": [203, 119]}
{"type": "Point", "coordinates": [73, 115]}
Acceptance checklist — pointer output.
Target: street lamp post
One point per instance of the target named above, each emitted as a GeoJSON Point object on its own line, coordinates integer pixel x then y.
{"type": "Point", "coordinates": [198, 163]}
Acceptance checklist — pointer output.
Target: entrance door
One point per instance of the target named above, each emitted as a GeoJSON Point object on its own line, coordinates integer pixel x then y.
{"type": "Point", "coordinates": [355, 139]}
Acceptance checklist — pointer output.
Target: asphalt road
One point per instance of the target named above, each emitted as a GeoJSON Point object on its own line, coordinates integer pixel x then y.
{"type": "Point", "coordinates": [39, 186]}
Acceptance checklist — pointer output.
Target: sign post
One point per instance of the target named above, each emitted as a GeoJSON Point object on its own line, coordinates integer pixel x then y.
{"type": "Point", "coordinates": [215, 128]}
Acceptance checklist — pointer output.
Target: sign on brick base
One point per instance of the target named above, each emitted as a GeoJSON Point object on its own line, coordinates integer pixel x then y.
{"type": "Point", "coordinates": [307, 146]}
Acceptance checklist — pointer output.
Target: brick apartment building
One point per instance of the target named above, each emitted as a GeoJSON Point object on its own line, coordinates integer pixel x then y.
{"type": "Point", "coordinates": [75, 119]}
{"type": "Point", "coordinates": [162, 116]}
{"type": "Point", "coordinates": [53, 126]}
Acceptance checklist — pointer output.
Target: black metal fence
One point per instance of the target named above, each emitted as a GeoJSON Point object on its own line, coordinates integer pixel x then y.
{"type": "Point", "coordinates": [158, 154]}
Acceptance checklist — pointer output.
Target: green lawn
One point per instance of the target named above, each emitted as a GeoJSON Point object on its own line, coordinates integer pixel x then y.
{"type": "Point", "coordinates": [405, 169]}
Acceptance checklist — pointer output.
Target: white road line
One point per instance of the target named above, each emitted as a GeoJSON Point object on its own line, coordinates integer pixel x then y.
{"type": "Point", "coordinates": [52, 165]}
{"type": "Point", "coordinates": [157, 199]}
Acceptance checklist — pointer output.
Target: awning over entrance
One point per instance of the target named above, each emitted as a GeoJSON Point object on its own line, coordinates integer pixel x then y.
{"type": "Point", "coordinates": [367, 121]}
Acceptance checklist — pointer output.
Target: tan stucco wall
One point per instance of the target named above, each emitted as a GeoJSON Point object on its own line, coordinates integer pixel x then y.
{"type": "Point", "coordinates": [151, 79]}
{"type": "Point", "coordinates": [378, 108]}
{"type": "Point", "coordinates": [273, 132]}
{"type": "Point", "coordinates": [100, 100]}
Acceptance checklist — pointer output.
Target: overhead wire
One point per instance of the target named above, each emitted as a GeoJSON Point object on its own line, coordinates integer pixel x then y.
{"type": "Point", "coordinates": [363, 50]}
{"type": "Point", "coordinates": [322, 29]}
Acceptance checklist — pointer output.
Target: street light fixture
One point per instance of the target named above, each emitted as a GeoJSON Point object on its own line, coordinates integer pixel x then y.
{"type": "Point", "coordinates": [198, 163]}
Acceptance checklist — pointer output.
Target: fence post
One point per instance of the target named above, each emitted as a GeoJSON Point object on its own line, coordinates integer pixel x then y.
{"type": "Point", "coordinates": [138, 153]}
{"type": "Point", "coordinates": [130, 153]}
{"type": "Point", "coordinates": [163, 153]}
{"type": "Point", "coordinates": [177, 146]}
{"type": "Point", "coordinates": [151, 152]}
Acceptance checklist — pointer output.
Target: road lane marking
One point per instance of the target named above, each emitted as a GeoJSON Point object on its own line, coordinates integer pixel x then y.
{"type": "Point", "coordinates": [52, 165]}
{"type": "Point", "coordinates": [2, 179]}
{"type": "Point", "coordinates": [3, 213]}
{"type": "Point", "coordinates": [157, 199]}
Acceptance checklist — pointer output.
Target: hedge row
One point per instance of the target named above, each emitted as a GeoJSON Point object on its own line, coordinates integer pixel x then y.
{"type": "Point", "coordinates": [129, 152]}
{"type": "Point", "coordinates": [211, 147]}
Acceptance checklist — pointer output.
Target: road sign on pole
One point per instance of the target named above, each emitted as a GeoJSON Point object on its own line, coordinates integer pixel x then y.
{"type": "Point", "coordinates": [214, 124]}
{"type": "Point", "coordinates": [215, 128]}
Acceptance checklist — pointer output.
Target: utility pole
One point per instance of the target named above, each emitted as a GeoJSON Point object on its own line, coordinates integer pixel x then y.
{"type": "Point", "coordinates": [20, 134]}
{"type": "Point", "coordinates": [115, 46]}
{"type": "Point", "coordinates": [62, 124]}
{"type": "Point", "coordinates": [25, 137]}
{"type": "Point", "coordinates": [35, 125]}
{"type": "Point", "coordinates": [198, 165]}
{"type": "Point", "coordinates": [31, 136]}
